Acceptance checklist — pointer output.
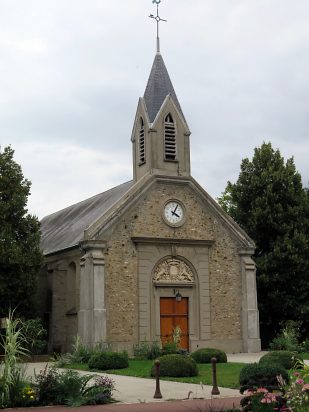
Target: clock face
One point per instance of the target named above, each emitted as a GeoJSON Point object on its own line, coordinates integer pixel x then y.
{"type": "Point", "coordinates": [174, 213]}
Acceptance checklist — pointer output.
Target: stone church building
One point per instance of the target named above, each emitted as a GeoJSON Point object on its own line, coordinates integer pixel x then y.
{"type": "Point", "coordinates": [133, 263]}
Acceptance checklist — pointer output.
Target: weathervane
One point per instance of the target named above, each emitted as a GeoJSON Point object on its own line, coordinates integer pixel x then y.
{"type": "Point", "coordinates": [157, 18]}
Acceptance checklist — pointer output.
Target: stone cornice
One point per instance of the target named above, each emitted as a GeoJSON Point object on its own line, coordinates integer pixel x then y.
{"type": "Point", "coordinates": [87, 245]}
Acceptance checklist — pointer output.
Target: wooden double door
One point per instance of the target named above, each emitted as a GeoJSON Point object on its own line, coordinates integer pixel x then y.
{"type": "Point", "coordinates": [174, 313]}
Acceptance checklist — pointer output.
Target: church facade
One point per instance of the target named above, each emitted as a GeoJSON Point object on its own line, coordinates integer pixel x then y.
{"type": "Point", "coordinates": [152, 255]}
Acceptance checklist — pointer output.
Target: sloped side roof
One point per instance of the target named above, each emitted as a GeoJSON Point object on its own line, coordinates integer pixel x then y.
{"type": "Point", "coordinates": [158, 87]}
{"type": "Point", "coordinates": [65, 228]}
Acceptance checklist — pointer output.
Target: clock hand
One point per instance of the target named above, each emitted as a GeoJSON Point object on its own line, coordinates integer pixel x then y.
{"type": "Point", "coordinates": [176, 208]}
{"type": "Point", "coordinates": [175, 214]}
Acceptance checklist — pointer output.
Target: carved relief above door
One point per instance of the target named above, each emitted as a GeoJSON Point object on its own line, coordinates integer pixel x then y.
{"type": "Point", "coordinates": [173, 271]}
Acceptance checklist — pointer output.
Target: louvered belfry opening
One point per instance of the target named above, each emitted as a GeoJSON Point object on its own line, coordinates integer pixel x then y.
{"type": "Point", "coordinates": [169, 138]}
{"type": "Point", "coordinates": [142, 142]}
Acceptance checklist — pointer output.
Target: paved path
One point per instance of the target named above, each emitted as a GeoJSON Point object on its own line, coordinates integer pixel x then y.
{"type": "Point", "coordinates": [136, 394]}
{"type": "Point", "coordinates": [138, 390]}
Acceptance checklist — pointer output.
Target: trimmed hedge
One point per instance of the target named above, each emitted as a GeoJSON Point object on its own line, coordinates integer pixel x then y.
{"type": "Point", "coordinates": [284, 358]}
{"type": "Point", "coordinates": [255, 375]}
{"type": "Point", "coordinates": [176, 366]}
{"type": "Point", "coordinates": [108, 360]}
{"type": "Point", "coordinates": [204, 355]}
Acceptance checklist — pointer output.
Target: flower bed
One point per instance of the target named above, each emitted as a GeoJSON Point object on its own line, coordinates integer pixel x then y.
{"type": "Point", "coordinates": [50, 387]}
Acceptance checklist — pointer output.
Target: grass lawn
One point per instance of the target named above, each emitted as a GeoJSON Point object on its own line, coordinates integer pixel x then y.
{"type": "Point", "coordinates": [227, 373]}
{"type": "Point", "coordinates": [305, 355]}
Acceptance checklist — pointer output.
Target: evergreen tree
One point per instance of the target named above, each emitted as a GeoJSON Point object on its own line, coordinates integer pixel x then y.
{"type": "Point", "coordinates": [20, 255]}
{"type": "Point", "coordinates": [270, 203]}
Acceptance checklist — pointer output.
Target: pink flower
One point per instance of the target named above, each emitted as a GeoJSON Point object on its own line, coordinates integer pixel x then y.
{"type": "Point", "coordinates": [269, 397]}
{"type": "Point", "coordinates": [300, 381]}
{"type": "Point", "coordinates": [262, 390]}
{"type": "Point", "coordinates": [273, 397]}
{"type": "Point", "coordinates": [306, 387]}
{"type": "Point", "coordinates": [296, 374]}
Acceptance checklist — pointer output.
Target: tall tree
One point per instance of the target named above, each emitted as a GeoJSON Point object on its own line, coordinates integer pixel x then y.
{"type": "Point", "coordinates": [269, 202]}
{"type": "Point", "coordinates": [20, 255]}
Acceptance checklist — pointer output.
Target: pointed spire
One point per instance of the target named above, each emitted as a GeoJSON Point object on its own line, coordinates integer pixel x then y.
{"type": "Point", "coordinates": [158, 87]}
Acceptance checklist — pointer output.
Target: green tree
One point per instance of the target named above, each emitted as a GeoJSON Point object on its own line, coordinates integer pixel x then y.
{"type": "Point", "coordinates": [269, 202]}
{"type": "Point", "coordinates": [20, 254]}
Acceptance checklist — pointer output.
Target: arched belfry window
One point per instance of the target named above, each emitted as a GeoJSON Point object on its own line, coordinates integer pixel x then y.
{"type": "Point", "coordinates": [169, 138]}
{"type": "Point", "coordinates": [141, 142]}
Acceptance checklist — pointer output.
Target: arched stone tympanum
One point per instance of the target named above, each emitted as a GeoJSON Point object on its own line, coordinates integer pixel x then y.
{"type": "Point", "coordinates": [173, 271]}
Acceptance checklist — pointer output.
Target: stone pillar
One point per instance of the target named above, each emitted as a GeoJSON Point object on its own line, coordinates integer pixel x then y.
{"type": "Point", "coordinates": [251, 327]}
{"type": "Point", "coordinates": [92, 313]}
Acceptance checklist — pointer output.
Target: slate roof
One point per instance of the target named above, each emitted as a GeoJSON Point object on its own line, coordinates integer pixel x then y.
{"type": "Point", "coordinates": [65, 228]}
{"type": "Point", "coordinates": [159, 86]}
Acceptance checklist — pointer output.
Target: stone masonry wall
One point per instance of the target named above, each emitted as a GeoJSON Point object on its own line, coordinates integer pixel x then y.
{"type": "Point", "coordinates": [145, 219]}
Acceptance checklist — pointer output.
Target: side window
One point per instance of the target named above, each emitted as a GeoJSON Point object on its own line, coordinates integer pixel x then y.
{"type": "Point", "coordinates": [141, 142]}
{"type": "Point", "coordinates": [169, 138]}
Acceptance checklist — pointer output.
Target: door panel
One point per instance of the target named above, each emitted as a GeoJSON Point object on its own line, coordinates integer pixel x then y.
{"type": "Point", "coordinates": [173, 314]}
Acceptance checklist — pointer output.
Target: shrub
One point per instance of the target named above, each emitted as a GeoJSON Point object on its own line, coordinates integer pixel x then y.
{"type": "Point", "coordinates": [176, 366]}
{"type": "Point", "coordinates": [35, 336]}
{"type": "Point", "coordinates": [11, 372]}
{"type": "Point", "coordinates": [169, 348]}
{"type": "Point", "coordinates": [80, 353]}
{"type": "Point", "coordinates": [288, 337]}
{"type": "Point", "coordinates": [146, 350]}
{"type": "Point", "coordinates": [284, 358]}
{"type": "Point", "coordinates": [305, 346]}
{"type": "Point", "coordinates": [108, 360]}
{"type": "Point", "coordinates": [71, 388]}
{"type": "Point", "coordinates": [261, 400]}
{"type": "Point", "coordinates": [154, 351]}
{"type": "Point", "coordinates": [204, 355]}
{"type": "Point", "coordinates": [46, 384]}
{"type": "Point", "coordinates": [255, 375]}
{"type": "Point", "coordinates": [102, 390]}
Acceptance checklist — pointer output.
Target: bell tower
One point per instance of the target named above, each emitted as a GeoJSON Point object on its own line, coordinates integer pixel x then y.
{"type": "Point", "coordinates": [160, 135]}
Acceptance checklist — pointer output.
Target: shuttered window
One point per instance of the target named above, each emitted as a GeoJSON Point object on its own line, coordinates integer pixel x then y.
{"type": "Point", "coordinates": [141, 142]}
{"type": "Point", "coordinates": [169, 138]}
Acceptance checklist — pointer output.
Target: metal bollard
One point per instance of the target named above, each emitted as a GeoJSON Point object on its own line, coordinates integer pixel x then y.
{"type": "Point", "coordinates": [215, 389]}
{"type": "Point", "coordinates": [157, 394]}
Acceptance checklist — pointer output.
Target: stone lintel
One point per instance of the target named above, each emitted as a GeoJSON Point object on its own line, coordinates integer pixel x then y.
{"type": "Point", "coordinates": [174, 284]}
{"type": "Point", "coordinates": [173, 241]}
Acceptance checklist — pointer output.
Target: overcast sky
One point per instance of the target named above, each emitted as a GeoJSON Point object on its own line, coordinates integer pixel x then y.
{"type": "Point", "coordinates": [71, 73]}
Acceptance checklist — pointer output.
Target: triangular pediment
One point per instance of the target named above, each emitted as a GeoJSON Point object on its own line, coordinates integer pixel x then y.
{"type": "Point", "coordinates": [168, 106]}
{"type": "Point", "coordinates": [140, 189]}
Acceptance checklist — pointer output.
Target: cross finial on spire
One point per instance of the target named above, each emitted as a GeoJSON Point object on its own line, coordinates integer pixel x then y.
{"type": "Point", "coordinates": [157, 18]}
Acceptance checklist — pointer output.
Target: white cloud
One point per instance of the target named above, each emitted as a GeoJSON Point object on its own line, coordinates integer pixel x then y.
{"type": "Point", "coordinates": [71, 173]}
{"type": "Point", "coordinates": [71, 73]}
